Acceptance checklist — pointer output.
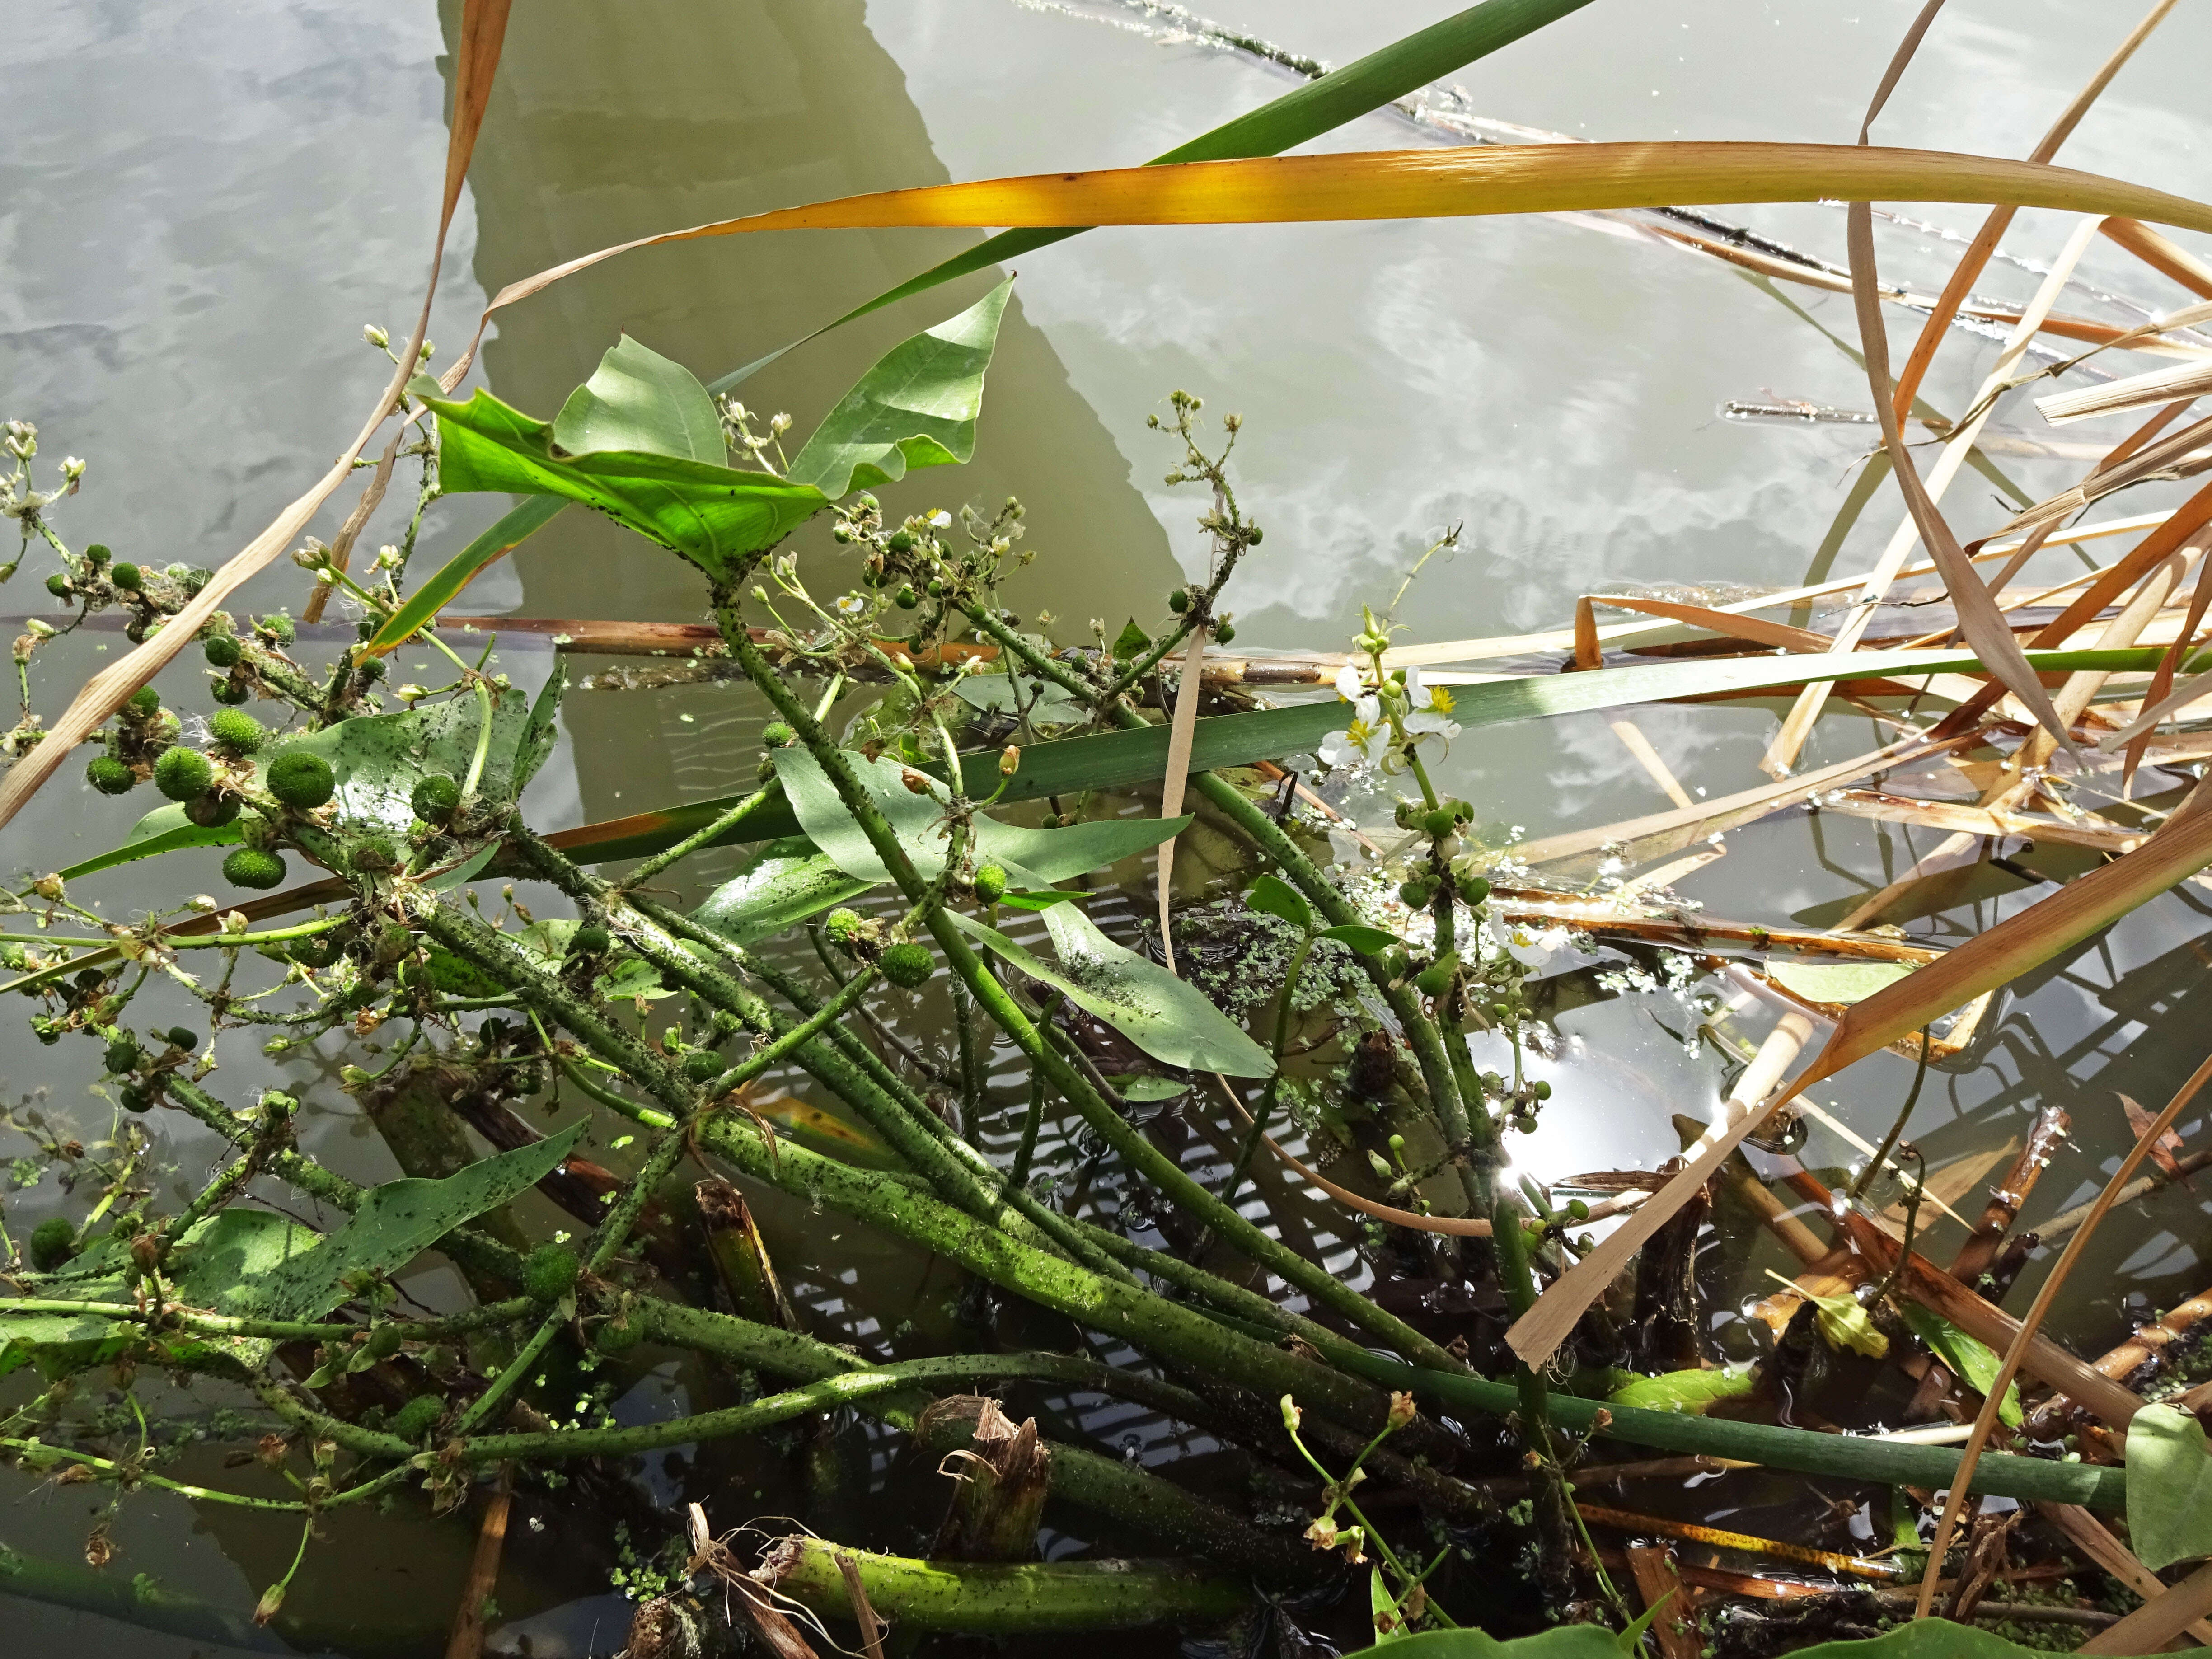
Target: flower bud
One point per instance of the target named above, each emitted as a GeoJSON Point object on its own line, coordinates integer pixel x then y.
{"type": "Point", "coordinates": [1009, 761]}
{"type": "Point", "coordinates": [376, 337]}
{"type": "Point", "coordinates": [1292, 1415]}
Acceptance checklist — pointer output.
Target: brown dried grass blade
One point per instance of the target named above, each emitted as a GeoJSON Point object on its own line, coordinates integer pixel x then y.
{"type": "Point", "coordinates": [2017, 1352]}
{"type": "Point", "coordinates": [1536, 1335]}
{"type": "Point", "coordinates": [483, 30]}
{"type": "Point", "coordinates": [1756, 630]}
{"type": "Point", "coordinates": [1977, 256]}
{"type": "Point", "coordinates": [2161, 254]}
{"type": "Point", "coordinates": [1180, 736]}
{"type": "Point", "coordinates": [2088, 1534]}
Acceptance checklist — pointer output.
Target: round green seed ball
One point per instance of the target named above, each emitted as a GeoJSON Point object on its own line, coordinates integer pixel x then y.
{"type": "Point", "coordinates": [53, 1241]}
{"type": "Point", "coordinates": [143, 703]}
{"type": "Point", "coordinates": [58, 585]}
{"type": "Point", "coordinates": [1224, 631]}
{"type": "Point", "coordinates": [250, 867]}
{"type": "Point", "coordinates": [550, 1273]}
{"type": "Point", "coordinates": [1415, 895]}
{"type": "Point", "coordinates": [1435, 979]}
{"type": "Point", "coordinates": [617, 1337]}
{"type": "Point", "coordinates": [279, 627]}
{"type": "Point", "coordinates": [1179, 600]}
{"type": "Point", "coordinates": [127, 577]}
{"type": "Point", "coordinates": [133, 1098]}
{"type": "Point", "coordinates": [590, 940]}
{"type": "Point", "coordinates": [182, 1037]}
{"type": "Point", "coordinates": [843, 925]}
{"type": "Point", "coordinates": [990, 883]}
{"type": "Point", "coordinates": [237, 732]}
{"type": "Point", "coordinates": [110, 775]}
{"type": "Point", "coordinates": [222, 651]}
{"type": "Point", "coordinates": [776, 735]}
{"type": "Point", "coordinates": [909, 965]}
{"type": "Point", "coordinates": [415, 1419]}
{"type": "Point", "coordinates": [183, 774]}
{"type": "Point", "coordinates": [301, 780]}
{"type": "Point", "coordinates": [97, 555]}
{"type": "Point", "coordinates": [703, 1066]}
{"type": "Point", "coordinates": [906, 598]}
{"type": "Point", "coordinates": [229, 692]}
{"type": "Point", "coordinates": [1474, 889]}
{"type": "Point", "coordinates": [383, 1342]}
{"type": "Point", "coordinates": [434, 798]}
{"type": "Point", "coordinates": [122, 1053]}
{"type": "Point", "coordinates": [901, 541]}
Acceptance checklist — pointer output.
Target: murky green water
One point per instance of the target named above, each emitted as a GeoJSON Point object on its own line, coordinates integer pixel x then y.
{"type": "Point", "coordinates": [203, 203]}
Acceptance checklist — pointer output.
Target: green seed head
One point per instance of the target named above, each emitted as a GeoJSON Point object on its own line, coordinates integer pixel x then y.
{"type": "Point", "coordinates": [53, 1241]}
{"type": "Point", "coordinates": [1435, 979]}
{"type": "Point", "coordinates": [550, 1272]}
{"type": "Point", "coordinates": [906, 598]}
{"type": "Point", "coordinates": [414, 1420]}
{"type": "Point", "coordinates": [383, 1342]}
{"type": "Point", "coordinates": [127, 577]}
{"type": "Point", "coordinates": [236, 733]}
{"type": "Point", "coordinates": [97, 555]}
{"type": "Point", "coordinates": [1474, 889]}
{"type": "Point", "coordinates": [990, 883]}
{"type": "Point", "coordinates": [143, 703]}
{"type": "Point", "coordinates": [844, 927]}
{"type": "Point", "coordinates": [1439, 822]}
{"type": "Point", "coordinates": [228, 692]}
{"type": "Point", "coordinates": [222, 651]}
{"type": "Point", "coordinates": [251, 866]}
{"type": "Point", "coordinates": [703, 1066]}
{"type": "Point", "coordinates": [133, 1098]}
{"type": "Point", "coordinates": [1415, 895]}
{"type": "Point", "coordinates": [1224, 631]}
{"type": "Point", "coordinates": [110, 775]}
{"type": "Point", "coordinates": [776, 735]}
{"type": "Point", "coordinates": [301, 780]}
{"type": "Point", "coordinates": [909, 965]}
{"type": "Point", "coordinates": [590, 940]}
{"type": "Point", "coordinates": [901, 541]}
{"type": "Point", "coordinates": [279, 627]}
{"type": "Point", "coordinates": [434, 798]}
{"type": "Point", "coordinates": [617, 1337]}
{"type": "Point", "coordinates": [1179, 600]}
{"type": "Point", "coordinates": [183, 774]}
{"type": "Point", "coordinates": [122, 1053]}
{"type": "Point", "coordinates": [58, 585]}
{"type": "Point", "coordinates": [375, 853]}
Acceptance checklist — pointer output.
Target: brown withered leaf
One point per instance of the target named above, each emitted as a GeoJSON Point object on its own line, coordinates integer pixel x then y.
{"type": "Point", "coordinates": [2163, 1148]}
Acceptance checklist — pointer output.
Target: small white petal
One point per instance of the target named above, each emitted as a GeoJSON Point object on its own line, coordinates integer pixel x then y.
{"type": "Point", "coordinates": [1417, 695]}
{"type": "Point", "coordinates": [1367, 709]}
{"type": "Point", "coordinates": [1349, 685]}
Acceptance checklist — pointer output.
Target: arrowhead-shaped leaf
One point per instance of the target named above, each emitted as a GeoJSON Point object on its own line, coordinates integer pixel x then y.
{"type": "Point", "coordinates": [715, 515]}
{"type": "Point", "coordinates": [639, 401]}
{"type": "Point", "coordinates": [2169, 1487]}
{"type": "Point", "coordinates": [916, 407]}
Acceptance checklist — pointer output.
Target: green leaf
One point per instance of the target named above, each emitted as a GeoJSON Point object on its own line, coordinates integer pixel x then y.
{"type": "Point", "coordinates": [1132, 641]}
{"type": "Point", "coordinates": [1145, 1090]}
{"type": "Point", "coordinates": [1835, 981]}
{"type": "Point", "coordinates": [541, 732]}
{"type": "Point", "coordinates": [2169, 1487]}
{"type": "Point", "coordinates": [164, 829]}
{"type": "Point", "coordinates": [1319, 107]}
{"type": "Point", "coordinates": [1843, 1323]}
{"type": "Point", "coordinates": [640, 402]}
{"type": "Point", "coordinates": [1037, 901]}
{"type": "Point", "coordinates": [1277, 897]}
{"type": "Point", "coordinates": [1045, 702]}
{"type": "Point", "coordinates": [1037, 857]}
{"type": "Point", "coordinates": [1690, 1392]}
{"type": "Point", "coordinates": [627, 974]}
{"type": "Point", "coordinates": [1974, 1361]}
{"type": "Point", "coordinates": [787, 882]}
{"type": "Point", "coordinates": [1170, 1021]}
{"type": "Point", "coordinates": [714, 515]}
{"type": "Point", "coordinates": [378, 759]}
{"type": "Point", "coordinates": [254, 1272]}
{"type": "Point", "coordinates": [1382, 1610]}
{"type": "Point", "coordinates": [1367, 941]}
{"type": "Point", "coordinates": [1631, 1638]}
{"type": "Point", "coordinates": [424, 604]}
{"type": "Point", "coordinates": [916, 407]}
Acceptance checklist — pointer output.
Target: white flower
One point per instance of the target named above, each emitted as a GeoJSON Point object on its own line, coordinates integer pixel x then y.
{"type": "Point", "coordinates": [1363, 743]}
{"type": "Point", "coordinates": [1350, 685]}
{"type": "Point", "coordinates": [1424, 724]}
{"type": "Point", "coordinates": [850, 605]}
{"type": "Point", "coordinates": [940, 519]}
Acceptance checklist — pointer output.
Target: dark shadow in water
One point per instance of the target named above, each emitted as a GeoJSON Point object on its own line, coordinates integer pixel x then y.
{"type": "Point", "coordinates": [608, 124]}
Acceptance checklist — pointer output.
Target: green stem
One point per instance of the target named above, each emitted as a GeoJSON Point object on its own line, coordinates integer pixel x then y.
{"type": "Point", "coordinates": [1162, 1171]}
{"type": "Point", "coordinates": [1265, 1111]}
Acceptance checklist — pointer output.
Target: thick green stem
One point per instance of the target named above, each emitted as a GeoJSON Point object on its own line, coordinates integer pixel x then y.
{"type": "Point", "coordinates": [997, 1598]}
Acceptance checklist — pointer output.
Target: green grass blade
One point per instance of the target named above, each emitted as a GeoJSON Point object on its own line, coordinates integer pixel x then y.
{"type": "Point", "coordinates": [423, 605]}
